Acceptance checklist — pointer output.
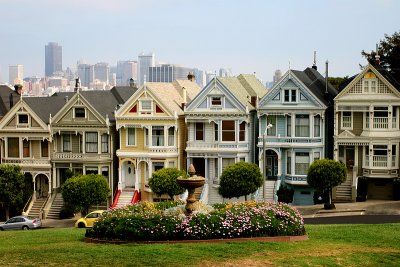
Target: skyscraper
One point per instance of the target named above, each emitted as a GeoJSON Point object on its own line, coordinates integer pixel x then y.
{"type": "Point", "coordinates": [277, 76]}
{"type": "Point", "coordinates": [102, 72]}
{"type": "Point", "coordinates": [86, 74]}
{"type": "Point", "coordinates": [144, 62]}
{"type": "Point", "coordinates": [53, 58]}
{"type": "Point", "coordinates": [167, 73]}
{"type": "Point", "coordinates": [16, 74]}
{"type": "Point", "coordinates": [125, 71]}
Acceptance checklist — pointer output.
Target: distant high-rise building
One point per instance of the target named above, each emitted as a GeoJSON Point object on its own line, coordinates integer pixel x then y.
{"type": "Point", "coordinates": [53, 58]}
{"type": "Point", "coordinates": [277, 76]}
{"type": "Point", "coordinates": [144, 62]}
{"type": "Point", "coordinates": [209, 76]}
{"type": "Point", "coordinates": [167, 73]}
{"type": "Point", "coordinates": [200, 77]}
{"type": "Point", "coordinates": [225, 72]}
{"type": "Point", "coordinates": [126, 70]}
{"type": "Point", "coordinates": [16, 74]}
{"type": "Point", "coordinates": [86, 74]}
{"type": "Point", "coordinates": [102, 72]}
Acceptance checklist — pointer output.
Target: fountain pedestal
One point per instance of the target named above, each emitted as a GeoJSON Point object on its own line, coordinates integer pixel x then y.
{"type": "Point", "coordinates": [191, 184]}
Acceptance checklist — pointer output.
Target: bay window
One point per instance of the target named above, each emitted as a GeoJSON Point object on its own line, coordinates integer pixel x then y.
{"type": "Point", "coordinates": [302, 163]}
{"type": "Point", "coordinates": [302, 125]}
{"type": "Point", "coordinates": [131, 136]}
{"type": "Point", "coordinates": [91, 142]}
{"type": "Point", "coordinates": [242, 131]}
{"type": "Point", "coordinates": [199, 131]}
{"type": "Point", "coordinates": [228, 130]}
{"type": "Point", "coordinates": [171, 136]}
{"type": "Point", "coordinates": [317, 126]}
{"type": "Point", "coordinates": [13, 147]}
{"type": "Point", "coordinates": [158, 136]}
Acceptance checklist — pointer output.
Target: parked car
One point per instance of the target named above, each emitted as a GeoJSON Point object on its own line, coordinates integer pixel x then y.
{"type": "Point", "coordinates": [89, 219]}
{"type": "Point", "coordinates": [21, 222]}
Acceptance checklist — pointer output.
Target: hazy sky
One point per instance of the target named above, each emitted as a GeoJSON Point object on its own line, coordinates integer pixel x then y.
{"type": "Point", "coordinates": [246, 36]}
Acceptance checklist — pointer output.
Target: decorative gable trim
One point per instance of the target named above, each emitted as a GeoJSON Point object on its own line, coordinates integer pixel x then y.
{"type": "Point", "coordinates": [347, 133]}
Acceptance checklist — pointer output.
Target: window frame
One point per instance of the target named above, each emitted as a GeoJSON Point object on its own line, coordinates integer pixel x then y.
{"type": "Point", "coordinates": [298, 125]}
{"type": "Point", "coordinates": [242, 132]}
{"type": "Point", "coordinates": [104, 143]}
{"type": "Point", "coordinates": [17, 155]}
{"type": "Point", "coordinates": [199, 132]}
{"type": "Point", "coordinates": [68, 142]}
{"type": "Point", "coordinates": [228, 131]}
{"type": "Point", "coordinates": [145, 110]}
{"type": "Point", "coordinates": [44, 148]}
{"type": "Point", "coordinates": [299, 155]}
{"type": "Point", "coordinates": [160, 138]}
{"type": "Point", "coordinates": [76, 113]}
{"type": "Point", "coordinates": [128, 135]}
{"type": "Point", "coordinates": [351, 120]}
{"type": "Point", "coordinates": [290, 96]}
{"type": "Point", "coordinates": [24, 124]}
{"type": "Point", "coordinates": [26, 148]}
{"type": "Point", "coordinates": [88, 143]}
{"type": "Point", "coordinates": [216, 101]}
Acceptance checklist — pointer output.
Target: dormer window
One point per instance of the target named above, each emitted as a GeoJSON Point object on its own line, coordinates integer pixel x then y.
{"type": "Point", "coordinates": [23, 119]}
{"type": "Point", "coordinates": [145, 106]}
{"type": "Point", "coordinates": [216, 101]}
{"type": "Point", "coordinates": [290, 95]}
{"type": "Point", "coordinates": [80, 113]}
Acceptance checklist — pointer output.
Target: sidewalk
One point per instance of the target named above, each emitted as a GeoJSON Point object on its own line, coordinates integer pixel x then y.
{"type": "Point", "coordinates": [370, 207]}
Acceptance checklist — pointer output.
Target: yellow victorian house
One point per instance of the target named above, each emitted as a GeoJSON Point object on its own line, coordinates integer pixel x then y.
{"type": "Point", "coordinates": [152, 135]}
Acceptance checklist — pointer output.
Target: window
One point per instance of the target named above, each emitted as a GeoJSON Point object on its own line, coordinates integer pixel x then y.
{"type": "Point", "coordinates": [158, 136]}
{"type": "Point", "coordinates": [216, 101]}
{"type": "Point", "coordinates": [171, 136]}
{"type": "Point", "coordinates": [80, 113]}
{"type": "Point", "coordinates": [346, 119]}
{"type": "Point", "coordinates": [23, 119]}
{"type": "Point", "coordinates": [227, 162]}
{"type": "Point", "coordinates": [171, 164]}
{"type": "Point", "coordinates": [199, 131]}
{"type": "Point", "coordinates": [302, 126]}
{"type": "Point", "coordinates": [288, 125]}
{"type": "Point", "coordinates": [228, 130]}
{"type": "Point", "coordinates": [302, 163]}
{"type": "Point", "coordinates": [317, 126]}
{"type": "Point", "coordinates": [104, 171]}
{"type": "Point", "coordinates": [289, 163]}
{"type": "Point", "coordinates": [91, 170]}
{"type": "Point", "coordinates": [145, 106]}
{"type": "Point", "coordinates": [67, 146]}
{"type": "Point", "coordinates": [104, 143]}
{"type": "Point", "coordinates": [13, 147]}
{"type": "Point", "coordinates": [91, 142]}
{"type": "Point", "coordinates": [131, 136]}
{"type": "Point", "coordinates": [317, 155]}
{"type": "Point", "coordinates": [216, 135]}
{"type": "Point", "coordinates": [271, 131]}
{"type": "Point", "coordinates": [157, 166]}
{"type": "Point", "coordinates": [242, 131]}
{"type": "Point", "coordinates": [290, 95]}
{"type": "Point", "coordinates": [25, 148]}
{"type": "Point", "coordinates": [146, 137]}
{"type": "Point", "coordinates": [369, 85]}
{"type": "Point", "coordinates": [45, 148]}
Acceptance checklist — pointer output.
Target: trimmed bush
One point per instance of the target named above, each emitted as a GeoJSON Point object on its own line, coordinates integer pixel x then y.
{"type": "Point", "coordinates": [149, 222]}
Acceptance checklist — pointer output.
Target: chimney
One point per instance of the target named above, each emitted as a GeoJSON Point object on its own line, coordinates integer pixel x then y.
{"type": "Point", "coordinates": [18, 88]}
{"type": "Point", "coordinates": [326, 77]}
{"type": "Point", "coordinates": [132, 83]}
{"type": "Point", "coordinates": [11, 98]}
{"type": "Point", "coordinates": [77, 84]}
{"type": "Point", "coordinates": [377, 57]}
{"type": "Point", "coordinates": [314, 66]}
{"type": "Point", "coordinates": [66, 98]}
{"type": "Point", "coordinates": [184, 96]}
{"type": "Point", "coordinates": [191, 77]}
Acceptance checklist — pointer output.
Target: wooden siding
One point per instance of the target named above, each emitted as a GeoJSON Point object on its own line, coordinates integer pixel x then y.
{"type": "Point", "coordinates": [357, 123]}
{"type": "Point", "coordinates": [36, 147]}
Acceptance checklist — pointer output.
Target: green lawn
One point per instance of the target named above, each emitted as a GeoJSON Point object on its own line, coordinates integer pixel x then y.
{"type": "Point", "coordinates": [328, 245]}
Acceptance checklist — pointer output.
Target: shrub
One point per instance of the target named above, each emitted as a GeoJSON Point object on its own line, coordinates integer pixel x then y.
{"type": "Point", "coordinates": [362, 189]}
{"type": "Point", "coordinates": [240, 179]}
{"type": "Point", "coordinates": [164, 181]}
{"type": "Point", "coordinates": [285, 194]}
{"type": "Point", "coordinates": [247, 219]}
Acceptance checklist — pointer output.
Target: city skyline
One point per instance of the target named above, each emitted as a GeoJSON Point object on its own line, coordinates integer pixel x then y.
{"type": "Point", "coordinates": [248, 37]}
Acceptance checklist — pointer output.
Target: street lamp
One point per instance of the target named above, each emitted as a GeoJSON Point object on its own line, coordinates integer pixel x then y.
{"type": "Point", "coordinates": [264, 163]}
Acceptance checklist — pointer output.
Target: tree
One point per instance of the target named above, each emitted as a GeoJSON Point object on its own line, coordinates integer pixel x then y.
{"type": "Point", "coordinates": [12, 185]}
{"type": "Point", "coordinates": [164, 181]}
{"type": "Point", "coordinates": [82, 191]}
{"type": "Point", "coordinates": [324, 174]}
{"type": "Point", "coordinates": [337, 81]}
{"type": "Point", "coordinates": [389, 52]}
{"type": "Point", "coordinates": [240, 179]}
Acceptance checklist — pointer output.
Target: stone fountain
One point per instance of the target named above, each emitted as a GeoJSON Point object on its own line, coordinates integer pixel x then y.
{"type": "Point", "coordinates": [191, 183]}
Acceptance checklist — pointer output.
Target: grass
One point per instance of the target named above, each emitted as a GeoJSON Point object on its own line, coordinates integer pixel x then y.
{"type": "Point", "coordinates": [328, 245]}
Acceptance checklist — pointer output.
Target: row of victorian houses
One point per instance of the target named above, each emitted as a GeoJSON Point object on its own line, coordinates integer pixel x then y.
{"type": "Point", "coordinates": [127, 133]}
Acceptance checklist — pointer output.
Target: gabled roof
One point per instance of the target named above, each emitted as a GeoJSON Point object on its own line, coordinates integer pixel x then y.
{"type": "Point", "coordinates": [243, 86]}
{"type": "Point", "coordinates": [5, 92]}
{"type": "Point", "coordinates": [104, 101]}
{"type": "Point", "coordinates": [380, 72]}
{"type": "Point", "coordinates": [316, 83]}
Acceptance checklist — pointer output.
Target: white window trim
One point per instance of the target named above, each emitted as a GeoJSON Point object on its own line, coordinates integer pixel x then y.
{"type": "Point", "coordinates": [216, 106]}
{"type": "Point", "coordinates": [145, 111]}
{"type": "Point", "coordinates": [25, 125]}
{"type": "Point", "coordinates": [74, 113]}
{"type": "Point", "coordinates": [351, 117]}
{"type": "Point", "coordinates": [48, 150]}
{"type": "Point", "coordinates": [127, 137]}
{"type": "Point", "coordinates": [291, 89]}
{"type": "Point", "coordinates": [367, 89]}
{"type": "Point", "coordinates": [62, 142]}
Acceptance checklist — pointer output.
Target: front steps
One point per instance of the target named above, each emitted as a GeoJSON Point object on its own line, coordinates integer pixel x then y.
{"type": "Point", "coordinates": [56, 206]}
{"type": "Point", "coordinates": [36, 208]}
{"type": "Point", "coordinates": [344, 190]}
{"type": "Point", "coordinates": [269, 186]}
{"type": "Point", "coordinates": [125, 197]}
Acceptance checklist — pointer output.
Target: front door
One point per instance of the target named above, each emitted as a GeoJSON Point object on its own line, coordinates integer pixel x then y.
{"type": "Point", "coordinates": [271, 165]}
{"type": "Point", "coordinates": [349, 157]}
{"type": "Point", "coordinates": [199, 165]}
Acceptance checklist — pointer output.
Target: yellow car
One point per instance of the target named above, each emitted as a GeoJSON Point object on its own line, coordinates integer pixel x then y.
{"type": "Point", "coordinates": [89, 219]}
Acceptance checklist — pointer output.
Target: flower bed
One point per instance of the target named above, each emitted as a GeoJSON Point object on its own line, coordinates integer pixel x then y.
{"type": "Point", "coordinates": [166, 221]}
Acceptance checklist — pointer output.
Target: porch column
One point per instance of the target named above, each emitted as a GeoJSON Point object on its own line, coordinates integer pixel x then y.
{"type": "Point", "coordinates": [98, 143]}
{"type": "Point", "coordinates": [311, 121]}
{"type": "Point", "coordinates": [54, 176]}
{"type": "Point", "coordinates": [279, 164]}
{"type": "Point", "coordinates": [356, 156]}
{"type": "Point", "coordinates": [207, 171]}
{"type": "Point", "coordinates": [371, 157]}
{"type": "Point", "coordinates": [83, 142]}
{"type": "Point", "coordinates": [119, 175]}
{"type": "Point", "coordinates": [371, 117]}
{"type": "Point", "coordinates": [293, 118]}
{"type": "Point", "coordinates": [390, 116]}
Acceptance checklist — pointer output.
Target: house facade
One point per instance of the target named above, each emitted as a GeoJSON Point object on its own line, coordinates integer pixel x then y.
{"type": "Point", "coordinates": [221, 122]}
{"type": "Point", "coordinates": [152, 135]}
{"type": "Point", "coordinates": [367, 133]}
{"type": "Point", "coordinates": [294, 128]}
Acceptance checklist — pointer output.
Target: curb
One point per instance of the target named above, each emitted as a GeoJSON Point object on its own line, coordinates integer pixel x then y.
{"type": "Point", "coordinates": [243, 239]}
